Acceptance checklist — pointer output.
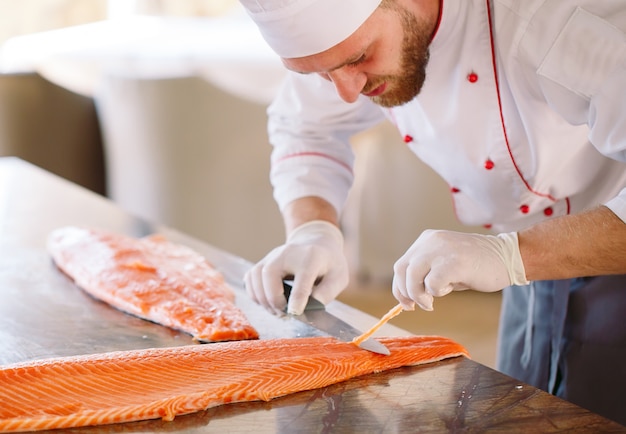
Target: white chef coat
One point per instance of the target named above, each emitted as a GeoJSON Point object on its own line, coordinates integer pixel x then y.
{"type": "Point", "coordinates": [524, 116]}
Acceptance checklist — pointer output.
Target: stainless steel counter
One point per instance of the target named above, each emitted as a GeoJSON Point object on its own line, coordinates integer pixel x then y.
{"type": "Point", "coordinates": [43, 314]}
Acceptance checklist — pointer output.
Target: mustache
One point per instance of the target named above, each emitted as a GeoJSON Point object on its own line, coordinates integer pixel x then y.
{"type": "Point", "coordinates": [374, 83]}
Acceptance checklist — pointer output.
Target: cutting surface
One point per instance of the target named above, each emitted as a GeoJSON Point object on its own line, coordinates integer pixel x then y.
{"type": "Point", "coordinates": [44, 314]}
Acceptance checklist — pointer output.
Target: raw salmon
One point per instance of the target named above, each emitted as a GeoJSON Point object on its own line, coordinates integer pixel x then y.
{"type": "Point", "coordinates": [163, 383]}
{"type": "Point", "coordinates": [154, 279]}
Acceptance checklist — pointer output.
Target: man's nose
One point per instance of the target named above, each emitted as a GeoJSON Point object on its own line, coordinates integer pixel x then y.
{"type": "Point", "coordinates": [348, 83]}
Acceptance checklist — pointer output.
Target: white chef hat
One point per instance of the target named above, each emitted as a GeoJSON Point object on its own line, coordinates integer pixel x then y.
{"type": "Point", "coordinates": [298, 28]}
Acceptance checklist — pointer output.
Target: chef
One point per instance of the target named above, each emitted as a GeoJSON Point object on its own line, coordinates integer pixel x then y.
{"type": "Point", "coordinates": [520, 106]}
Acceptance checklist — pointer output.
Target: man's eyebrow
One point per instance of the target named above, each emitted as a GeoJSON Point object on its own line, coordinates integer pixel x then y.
{"type": "Point", "coordinates": [350, 60]}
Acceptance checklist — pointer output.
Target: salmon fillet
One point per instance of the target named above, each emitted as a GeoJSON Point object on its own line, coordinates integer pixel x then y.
{"type": "Point", "coordinates": [153, 279]}
{"type": "Point", "coordinates": [163, 383]}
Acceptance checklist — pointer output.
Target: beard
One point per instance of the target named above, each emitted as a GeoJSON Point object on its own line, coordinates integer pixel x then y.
{"type": "Point", "coordinates": [406, 85]}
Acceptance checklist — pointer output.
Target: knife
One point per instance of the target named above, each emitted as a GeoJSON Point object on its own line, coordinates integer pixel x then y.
{"type": "Point", "coordinates": [316, 316]}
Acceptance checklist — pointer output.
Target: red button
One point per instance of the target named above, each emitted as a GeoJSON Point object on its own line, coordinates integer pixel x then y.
{"type": "Point", "coordinates": [487, 226]}
{"type": "Point", "coordinates": [408, 139]}
{"type": "Point", "coordinates": [454, 190]}
{"type": "Point", "coordinates": [524, 209]}
{"type": "Point", "coordinates": [472, 77]}
{"type": "Point", "coordinates": [489, 165]}
{"type": "Point", "coordinates": [548, 211]}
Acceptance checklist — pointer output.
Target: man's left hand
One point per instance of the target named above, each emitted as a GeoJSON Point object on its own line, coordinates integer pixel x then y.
{"type": "Point", "coordinates": [440, 262]}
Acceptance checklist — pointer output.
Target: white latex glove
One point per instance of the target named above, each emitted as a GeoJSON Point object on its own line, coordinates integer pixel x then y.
{"type": "Point", "coordinates": [440, 262]}
{"type": "Point", "coordinates": [312, 251]}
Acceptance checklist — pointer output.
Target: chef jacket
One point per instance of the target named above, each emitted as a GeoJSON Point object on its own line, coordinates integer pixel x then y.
{"type": "Point", "coordinates": [523, 114]}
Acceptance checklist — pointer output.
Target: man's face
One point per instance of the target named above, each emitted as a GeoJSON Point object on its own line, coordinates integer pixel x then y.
{"type": "Point", "coordinates": [407, 83]}
{"type": "Point", "coordinates": [384, 60]}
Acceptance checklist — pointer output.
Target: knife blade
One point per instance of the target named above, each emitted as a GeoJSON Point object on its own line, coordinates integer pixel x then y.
{"type": "Point", "coordinates": [316, 316]}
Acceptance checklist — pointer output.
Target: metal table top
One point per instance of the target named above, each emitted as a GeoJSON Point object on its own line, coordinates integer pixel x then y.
{"type": "Point", "coordinates": [43, 314]}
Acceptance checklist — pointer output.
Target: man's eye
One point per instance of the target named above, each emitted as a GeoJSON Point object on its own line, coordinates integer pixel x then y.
{"type": "Point", "coordinates": [358, 61]}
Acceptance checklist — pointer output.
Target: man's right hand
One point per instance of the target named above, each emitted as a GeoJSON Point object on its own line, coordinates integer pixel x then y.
{"type": "Point", "coordinates": [312, 253]}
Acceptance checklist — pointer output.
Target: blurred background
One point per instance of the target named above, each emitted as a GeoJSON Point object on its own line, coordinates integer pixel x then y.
{"type": "Point", "coordinates": [160, 106]}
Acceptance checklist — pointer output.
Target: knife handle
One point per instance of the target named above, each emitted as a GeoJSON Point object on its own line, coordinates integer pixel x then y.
{"type": "Point", "coordinates": [312, 304]}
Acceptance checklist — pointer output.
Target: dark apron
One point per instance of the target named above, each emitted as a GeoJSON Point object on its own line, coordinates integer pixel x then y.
{"type": "Point", "coordinates": [568, 337]}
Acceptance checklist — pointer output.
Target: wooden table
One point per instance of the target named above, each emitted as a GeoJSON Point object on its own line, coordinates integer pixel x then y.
{"type": "Point", "coordinates": [43, 314]}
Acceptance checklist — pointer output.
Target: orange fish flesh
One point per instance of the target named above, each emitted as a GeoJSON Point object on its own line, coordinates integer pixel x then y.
{"type": "Point", "coordinates": [153, 279]}
{"type": "Point", "coordinates": [163, 383]}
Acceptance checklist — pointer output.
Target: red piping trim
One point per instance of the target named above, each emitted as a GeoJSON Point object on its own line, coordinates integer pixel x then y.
{"type": "Point", "coordinates": [506, 137]}
{"type": "Point", "coordinates": [438, 20]}
{"type": "Point", "coordinates": [315, 154]}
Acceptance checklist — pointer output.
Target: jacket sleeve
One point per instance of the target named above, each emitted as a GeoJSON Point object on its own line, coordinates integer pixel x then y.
{"type": "Point", "coordinates": [310, 128]}
{"type": "Point", "coordinates": [618, 205]}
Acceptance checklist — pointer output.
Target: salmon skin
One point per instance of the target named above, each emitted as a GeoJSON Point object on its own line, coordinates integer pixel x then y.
{"type": "Point", "coordinates": [153, 279]}
{"type": "Point", "coordinates": [136, 385]}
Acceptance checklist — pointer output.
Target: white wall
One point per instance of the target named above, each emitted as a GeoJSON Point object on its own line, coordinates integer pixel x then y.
{"type": "Point", "coordinates": [20, 17]}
